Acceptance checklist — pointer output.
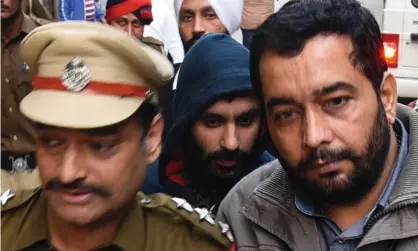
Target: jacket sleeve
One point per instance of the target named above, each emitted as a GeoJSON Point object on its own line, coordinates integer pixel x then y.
{"type": "Point", "coordinates": [64, 9]}
{"type": "Point", "coordinates": [99, 13]}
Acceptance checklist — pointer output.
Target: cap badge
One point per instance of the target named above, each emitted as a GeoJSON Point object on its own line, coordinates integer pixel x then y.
{"type": "Point", "coordinates": [76, 76]}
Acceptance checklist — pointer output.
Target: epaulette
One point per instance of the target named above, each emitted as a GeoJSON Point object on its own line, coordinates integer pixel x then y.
{"type": "Point", "coordinates": [199, 218]}
{"type": "Point", "coordinates": [155, 44]}
{"type": "Point", "coordinates": [12, 200]}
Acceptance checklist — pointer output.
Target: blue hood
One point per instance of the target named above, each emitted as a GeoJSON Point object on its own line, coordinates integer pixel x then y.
{"type": "Point", "coordinates": [216, 65]}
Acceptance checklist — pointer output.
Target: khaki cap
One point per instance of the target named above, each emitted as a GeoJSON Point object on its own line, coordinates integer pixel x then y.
{"type": "Point", "coordinates": [88, 75]}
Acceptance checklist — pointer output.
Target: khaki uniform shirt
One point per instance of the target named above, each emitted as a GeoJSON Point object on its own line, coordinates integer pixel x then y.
{"type": "Point", "coordinates": [17, 132]}
{"type": "Point", "coordinates": [158, 46]}
{"type": "Point", "coordinates": [155, 44]}
{"type": "Point", "coordinates": [20, 181]}
{"type": "Point", "coordinates": [155, 223]}
{"type": "Point", "coordinates": [39, 10]}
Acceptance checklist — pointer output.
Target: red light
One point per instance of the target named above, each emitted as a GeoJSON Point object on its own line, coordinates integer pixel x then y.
{"type": "Point", "coordinates": [391, 46]}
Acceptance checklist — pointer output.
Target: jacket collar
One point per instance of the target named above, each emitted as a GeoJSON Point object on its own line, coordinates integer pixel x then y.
{"type": "Point", "coordinates": [272, 207]}
{"type": "Point", "coordinates": [407, 186]}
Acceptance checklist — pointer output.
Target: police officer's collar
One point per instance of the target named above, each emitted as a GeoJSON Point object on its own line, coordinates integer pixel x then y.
{"type": "Point", "coordinates": [131, 234]}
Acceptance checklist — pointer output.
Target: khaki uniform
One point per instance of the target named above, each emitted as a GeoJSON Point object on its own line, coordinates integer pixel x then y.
{"type": "Point", "coordinates": [155, 44]}
{"type": "Point", "coordinates": [38, 11]}
{"type": "Point", "coordinates": [158, 46]}
{"type": "Point", "coordinates": [17, 133]}
{"type": "Point", "coordinates": [156, 223]}
{"type": "Point", "coordinates": [19, 181]}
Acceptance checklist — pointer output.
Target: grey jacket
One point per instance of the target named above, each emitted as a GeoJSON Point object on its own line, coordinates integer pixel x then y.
{"type": "Point", "coordinates": [261, 209]}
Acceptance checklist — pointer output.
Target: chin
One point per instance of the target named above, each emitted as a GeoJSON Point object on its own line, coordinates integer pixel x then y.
{"type": "Point", "coordinates": [334, 182]}
{"type": "Point", "coordinates": [79, 215]}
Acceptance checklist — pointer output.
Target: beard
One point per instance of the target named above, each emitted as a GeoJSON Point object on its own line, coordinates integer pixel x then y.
{"type": "Point", "coordinates": [189, 43]}
{"type": "Point", "coordinates": [196, 36]}
{"type": "Point", "coordinates": [368, 168]}
{"type": "Point", "coordinates": [7, 21]}
{"type": "Point", "coordinates": [202, 168]}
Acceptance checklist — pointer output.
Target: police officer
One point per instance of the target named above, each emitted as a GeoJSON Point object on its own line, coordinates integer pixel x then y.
{"type": "Point", "coordinates": [96, 133]}
{"type": "Point", "coordinates": [17, 133]}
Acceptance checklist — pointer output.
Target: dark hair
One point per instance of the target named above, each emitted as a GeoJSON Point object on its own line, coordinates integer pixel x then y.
{"type": "Point", "coordinates": [287, 32]}
{"type": "Point", "coordinates": [144, 116]}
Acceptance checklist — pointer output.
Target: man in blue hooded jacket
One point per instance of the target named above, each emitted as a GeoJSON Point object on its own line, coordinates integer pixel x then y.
{"type": "Point", "coordinates": [217, 134]}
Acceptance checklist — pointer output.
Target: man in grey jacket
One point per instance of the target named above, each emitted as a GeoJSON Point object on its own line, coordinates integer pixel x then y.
{"type": "Point", "coordinates": [347, 173]}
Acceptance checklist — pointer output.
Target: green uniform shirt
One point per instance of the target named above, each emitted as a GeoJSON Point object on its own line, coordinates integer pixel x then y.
{"type": "Point", "coordinates": [155, 223]}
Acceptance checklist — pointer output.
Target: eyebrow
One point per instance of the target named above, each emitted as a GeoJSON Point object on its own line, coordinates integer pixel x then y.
{"type": "Point", "coordinates": [207, 9]}
{"type": "Point", "coordinates": [208, 114]}
{"type": "Point", "coordinates": [337, 86]}
{"type": "Point", "coordinates": [127, 19]}
{"type": "Point", "coordinates": [276, 101]}
{"type": "Point", "coordinates": [250, 112]}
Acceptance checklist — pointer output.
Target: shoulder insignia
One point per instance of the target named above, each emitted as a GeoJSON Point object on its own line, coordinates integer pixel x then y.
{"type": "Point", "coordinates": [11, 200]}
{"type": "Point", "coordinates": [198, 217]}
{"type": "Point", "coordinates": [6, 196]}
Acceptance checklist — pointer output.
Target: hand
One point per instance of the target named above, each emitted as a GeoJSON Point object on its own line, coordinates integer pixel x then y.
{"type": "Point", "coordinates": [102, 20]}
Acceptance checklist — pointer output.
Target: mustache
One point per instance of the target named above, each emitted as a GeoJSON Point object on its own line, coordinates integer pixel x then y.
{"type": "Point", "coordinates": [189, 43]}
{"type": "Point", "coordinates": [227, 155]}
{"type": "Point", "coordinates": [327, 155]}
{"type": "Point", "coordinates": [4, 6]}
{"type": "Point", "coordinates": [56, 184]}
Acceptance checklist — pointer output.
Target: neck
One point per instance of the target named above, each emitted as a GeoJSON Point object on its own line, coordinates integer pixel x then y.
{"type": "Point", "coordinates": [346, 215]}
{"type": "Point", "coordinates": [12, 27]}
{"type": "Point", "coordinates": [72, 237]}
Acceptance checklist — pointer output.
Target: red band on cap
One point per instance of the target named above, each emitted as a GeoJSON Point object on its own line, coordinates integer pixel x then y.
{"type": "Point", "coordinates": [121, 90]}
{"type": "Point", "coordinates": [124, 8]}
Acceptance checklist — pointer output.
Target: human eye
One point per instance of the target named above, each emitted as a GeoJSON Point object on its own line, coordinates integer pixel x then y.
{"type": "Point", "coordinates": [337, 102]}
{"type": "Point", "coordinates": [50, 141]}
